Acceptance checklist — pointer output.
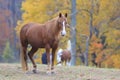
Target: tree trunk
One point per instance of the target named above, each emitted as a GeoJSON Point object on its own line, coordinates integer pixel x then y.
{"type": "Point", "coordinates": [73, 33]}
{"type": "Point", "coordinates": [86, 52]}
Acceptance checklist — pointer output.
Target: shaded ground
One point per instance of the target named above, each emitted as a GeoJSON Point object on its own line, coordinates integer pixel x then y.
{"type": "Point", "coordinates": [14, 72]}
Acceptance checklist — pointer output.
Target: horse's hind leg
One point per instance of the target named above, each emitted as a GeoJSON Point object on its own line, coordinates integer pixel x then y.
{"type": "Point", "coordinates": [68, 63]}
{"type": "Point", "coordinates": [30, 54]}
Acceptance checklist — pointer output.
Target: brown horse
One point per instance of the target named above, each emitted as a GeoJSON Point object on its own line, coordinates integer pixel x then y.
{"type": "Point", "coordinates": [64, 56]}
{"type": "Point", "coordinates": [42, 36]}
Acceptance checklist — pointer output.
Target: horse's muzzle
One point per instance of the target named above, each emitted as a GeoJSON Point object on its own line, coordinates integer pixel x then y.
{"type": "Point", "coordinates": [62, 35]}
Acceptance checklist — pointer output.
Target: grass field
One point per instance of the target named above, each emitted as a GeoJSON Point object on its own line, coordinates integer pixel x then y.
{"type": "Point", "coordinates": [14, 72]}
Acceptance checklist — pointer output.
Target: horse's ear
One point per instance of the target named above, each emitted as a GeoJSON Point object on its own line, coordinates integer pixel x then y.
{"type": "Point", "coordinates": [60, 14]}
{"type": "Point", "coordinates": [66, 15]}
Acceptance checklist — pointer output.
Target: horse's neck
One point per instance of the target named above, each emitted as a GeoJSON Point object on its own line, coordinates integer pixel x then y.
{"type": "Point", "coordinates": [53, 27]}
{"type": "Point", "coordinates": [52, 20]}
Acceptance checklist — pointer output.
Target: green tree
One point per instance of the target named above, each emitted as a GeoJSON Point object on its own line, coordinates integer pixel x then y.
{"type": "Point", "coordinates": [7, 53]}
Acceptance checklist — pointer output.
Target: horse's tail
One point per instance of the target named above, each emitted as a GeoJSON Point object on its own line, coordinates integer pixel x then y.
{"type": "Point", "coordinates": [24, 59]}
{"type": "Point", "coordinates": [24, 44]}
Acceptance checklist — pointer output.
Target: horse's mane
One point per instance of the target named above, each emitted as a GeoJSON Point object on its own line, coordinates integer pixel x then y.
{"type": "Point", "coordinates": [54, 20]}
{"type": "Point", "coordinates": [49, 25]}
{"type": "Point", "coordinates": [50, 20]}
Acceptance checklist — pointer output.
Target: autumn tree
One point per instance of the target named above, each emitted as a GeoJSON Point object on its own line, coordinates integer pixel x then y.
{"type": "Point", "coordinates": [97, 24]}
{"type": "Point", "coordinates": [93, 20]}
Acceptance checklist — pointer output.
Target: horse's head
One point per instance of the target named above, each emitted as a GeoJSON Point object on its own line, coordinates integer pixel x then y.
{"type": "Point", "coordinates": [62, 23]}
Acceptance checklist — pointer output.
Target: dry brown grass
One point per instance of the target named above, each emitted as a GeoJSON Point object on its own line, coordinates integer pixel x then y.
{"type": "Point", "coordinates": [14, 72]}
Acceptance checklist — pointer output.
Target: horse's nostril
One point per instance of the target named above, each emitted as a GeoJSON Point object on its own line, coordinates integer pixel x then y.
{"type": "Point", "coordinates": [63, 33]}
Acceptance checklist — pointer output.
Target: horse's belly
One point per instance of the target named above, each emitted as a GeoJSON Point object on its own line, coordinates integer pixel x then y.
{"type": "Point", "coordinates": [41, 43]}
{"type": "Point", "coordinates": [38, 45]}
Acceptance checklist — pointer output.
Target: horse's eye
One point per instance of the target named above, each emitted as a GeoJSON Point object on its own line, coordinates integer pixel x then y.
{"type": "Point", "coordinates": [65, 22]}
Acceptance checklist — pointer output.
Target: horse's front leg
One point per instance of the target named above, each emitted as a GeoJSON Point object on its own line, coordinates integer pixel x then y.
{"type": "Point", "coordinates": [48, 59]}
{"type": "Point", "coordinates": [53, 59]}
{"type": "Point", "coordinates": [30, 54]}
{"type": "Point", "coordinates": [65, 62]}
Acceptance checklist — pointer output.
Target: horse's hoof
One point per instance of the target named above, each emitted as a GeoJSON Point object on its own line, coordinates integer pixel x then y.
{"type": "Point", "coordinates": [48, 72]}
{"type": "Point", "coordinates": [52, 72]}
{"type": "Point", "coordinates": [26, 72]}
{"type": "Point", "coordinates": [34, 71]}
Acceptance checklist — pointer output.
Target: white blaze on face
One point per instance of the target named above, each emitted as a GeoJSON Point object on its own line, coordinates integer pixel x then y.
{"type": "Point", "coordinates": [63, 30]}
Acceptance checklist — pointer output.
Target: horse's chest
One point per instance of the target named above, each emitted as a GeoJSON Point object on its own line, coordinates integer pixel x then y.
{"type": "Point", "coordinates": [54, 42]}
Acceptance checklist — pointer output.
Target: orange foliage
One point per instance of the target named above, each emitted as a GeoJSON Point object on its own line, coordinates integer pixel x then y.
{"type": "Point", "coordinates": [113, 61]}
{"type": "Point", "coordinates": [116, 60]}
{"type": "Point", "coordinates": [99, 57]}
{"type": "Point", "coordinates": [97, 45]}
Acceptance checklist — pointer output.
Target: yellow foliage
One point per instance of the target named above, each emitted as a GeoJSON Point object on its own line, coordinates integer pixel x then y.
{"type": "Point", "coordinates": [43, 10]}
{"type": "Point", "coordinates": [113, 61]}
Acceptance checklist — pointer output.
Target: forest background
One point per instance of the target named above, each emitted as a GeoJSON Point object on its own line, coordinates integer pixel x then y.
{"type": "Point", "coordinates": [95, 28]}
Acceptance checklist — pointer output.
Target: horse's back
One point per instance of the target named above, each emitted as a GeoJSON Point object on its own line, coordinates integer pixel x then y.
{"type": "Point", "coordinates": [25, 28]}
{"type": "Point", "coordinates": [35, 28]}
